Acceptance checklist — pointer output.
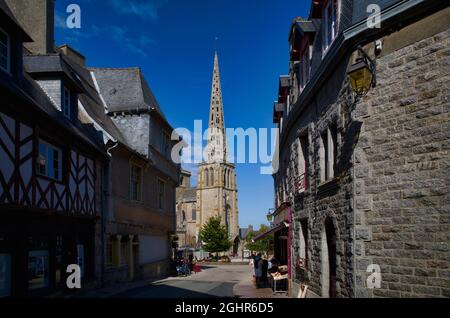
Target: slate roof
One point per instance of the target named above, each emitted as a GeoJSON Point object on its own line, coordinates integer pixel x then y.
{"type": "Point", "coordinates": [126, 90]}
{"type": "Point", "coordinates": [92, 102]}
{"type": "Point", "coordinates": [51, 64]}
{"type": "Point", "coordinates": [189, 195]}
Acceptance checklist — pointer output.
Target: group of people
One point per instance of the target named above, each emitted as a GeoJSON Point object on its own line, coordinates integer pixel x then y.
{"type": "Point", "coordinates": [261, 267]}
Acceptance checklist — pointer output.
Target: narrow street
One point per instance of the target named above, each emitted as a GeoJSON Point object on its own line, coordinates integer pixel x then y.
{"type": "Point", "coordinates": [213, 281]}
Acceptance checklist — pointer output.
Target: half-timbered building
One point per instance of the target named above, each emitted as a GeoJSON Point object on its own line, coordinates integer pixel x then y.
{"type": "Point", "coordinates": [49, 172]}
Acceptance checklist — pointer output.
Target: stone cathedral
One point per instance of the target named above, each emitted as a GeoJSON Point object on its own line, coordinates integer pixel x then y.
{"type": "Point", "coordinates": [216, 185]}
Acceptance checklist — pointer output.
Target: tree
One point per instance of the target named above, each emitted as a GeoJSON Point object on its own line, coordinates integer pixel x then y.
{"type": "Point", "coordinates": [264, 245]}
{"type": "Point", "coordinates": [215, 236]}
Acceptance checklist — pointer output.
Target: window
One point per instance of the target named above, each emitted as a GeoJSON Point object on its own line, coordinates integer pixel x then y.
{"type": "Point", "coordinates": [194, 215]}
{"type": "Point", "coordinates": [206, 176]}
{"type": "Point", "coordinates": [5, 51]}
{"type": "Point", "coordinates": [329, 23]}
{"type": "Point", "coordinates": [165, 144]}
{"type": "Point", "coordinates": [49, 163]}
{"type": "Point", "coordinates": [66, 103]}
{"type": "Point", "coordinates": [211, 174]}
{"type": "Point", "coordinates": [161, 194]}
{"type": "Point", "coordinates": [5, 275]}
{"type": "Point", "coordinates": [123, 251]}
{"type": "Point", "coordinates": [109, 252]}
{"type": "Point", "coordinates": [328, 154]}
{"type": "Point", "coordinates": [305, 67]}
{"type": "Point", "coordinates": [38, 269]}
{"type": "Point", "coordinates": [136, 183]}
{"type": "Point", "coordinates": [302, 178]}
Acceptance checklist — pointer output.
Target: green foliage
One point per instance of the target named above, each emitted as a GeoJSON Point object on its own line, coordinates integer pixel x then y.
{"type": "Point", "coordinates": [264, 245]}
{"type": "Point", "coordinates": [215, 236]}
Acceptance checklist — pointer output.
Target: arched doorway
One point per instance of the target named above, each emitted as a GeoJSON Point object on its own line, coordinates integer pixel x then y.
{"type": "Point", "coordinates": [328, 259]}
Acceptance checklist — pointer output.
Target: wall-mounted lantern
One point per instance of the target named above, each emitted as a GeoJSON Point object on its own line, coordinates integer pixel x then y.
{"type": "Point", "coordinates": [362, 74]}
{"type": "Point", "coordinates": [270, 216]}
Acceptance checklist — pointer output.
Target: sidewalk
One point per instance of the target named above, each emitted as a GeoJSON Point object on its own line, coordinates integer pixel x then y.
{"type": "Point", "coordinates": [247, 289]}
{"type": "Point", "coordinates": [115, 289]}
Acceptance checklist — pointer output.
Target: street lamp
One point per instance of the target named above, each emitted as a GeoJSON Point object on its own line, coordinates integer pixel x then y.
{"type": "Point", "coordinates": [362, 74]}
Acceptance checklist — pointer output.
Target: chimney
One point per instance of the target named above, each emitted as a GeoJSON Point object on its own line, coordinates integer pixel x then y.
{"type": "Point", "coordinates": [37, 17]}
{"type": "Point", "coordinates": [73, 54]}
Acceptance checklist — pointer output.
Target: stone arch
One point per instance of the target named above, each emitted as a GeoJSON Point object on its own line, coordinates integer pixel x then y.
{"type": "Point", "coordinates": [329, 257]}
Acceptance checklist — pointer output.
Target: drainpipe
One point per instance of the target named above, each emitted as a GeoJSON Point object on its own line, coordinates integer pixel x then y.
{"type": "Point", "coordinates": [106, 204]}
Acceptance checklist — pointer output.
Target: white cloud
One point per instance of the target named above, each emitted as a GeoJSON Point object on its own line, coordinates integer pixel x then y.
{"type": "Point", "coordinates": [142, 8]}
{"type": "Point", "coordinates": [60, 21]}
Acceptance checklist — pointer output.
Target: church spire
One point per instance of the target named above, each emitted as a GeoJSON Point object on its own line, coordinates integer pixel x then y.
{"type": "Point", "coordinates": [216, 148]}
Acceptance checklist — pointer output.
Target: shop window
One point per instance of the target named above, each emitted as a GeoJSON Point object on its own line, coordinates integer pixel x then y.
{"type": "Point", "coordinates": [59, 259]}
{"type": "Point", "coordinates": [123, 251]}
{"type": "Point", "coordinates": [38, 269]}
{"type": "Point", "coordinates": [49, 162]}
{"type": "Point", "coordinates": [109, 252]}
{"type": "Point", "coordinates": [5, 275]}
{"type": "Point", "coordinates": [81, 259]}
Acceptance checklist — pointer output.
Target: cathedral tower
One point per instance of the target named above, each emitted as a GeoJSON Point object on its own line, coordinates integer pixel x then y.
{"type": "Point", "coordinates": [217, 186]}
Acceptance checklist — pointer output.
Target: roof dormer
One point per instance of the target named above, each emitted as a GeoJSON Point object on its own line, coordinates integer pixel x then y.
{"type": "Point", "coordinates": [58, 80]}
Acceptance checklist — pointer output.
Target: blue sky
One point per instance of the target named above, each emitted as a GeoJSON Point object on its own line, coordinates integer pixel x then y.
{"type": "Point", "coordinates": [173, 41]}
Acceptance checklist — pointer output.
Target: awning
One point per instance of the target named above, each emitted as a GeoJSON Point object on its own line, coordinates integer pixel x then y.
{"type": "Point", "coordinates": [274, 229]}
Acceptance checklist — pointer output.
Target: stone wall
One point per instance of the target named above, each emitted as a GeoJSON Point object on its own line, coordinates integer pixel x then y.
{"type": "Point", "coordinates": [389, 202]}
{"type": "Point", "coordinates": [402, 176]}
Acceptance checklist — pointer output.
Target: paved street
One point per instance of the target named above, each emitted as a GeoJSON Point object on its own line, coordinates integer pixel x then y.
{"type": "Point", "coordinates": [213, 281]}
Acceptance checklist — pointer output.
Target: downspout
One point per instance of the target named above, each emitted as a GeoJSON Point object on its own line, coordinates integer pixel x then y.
{"type": "Point", "coordinates": [106, 205]}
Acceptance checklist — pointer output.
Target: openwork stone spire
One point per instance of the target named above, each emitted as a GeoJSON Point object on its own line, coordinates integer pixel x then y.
{"type": "Point", "coordinates": [216, 148]}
